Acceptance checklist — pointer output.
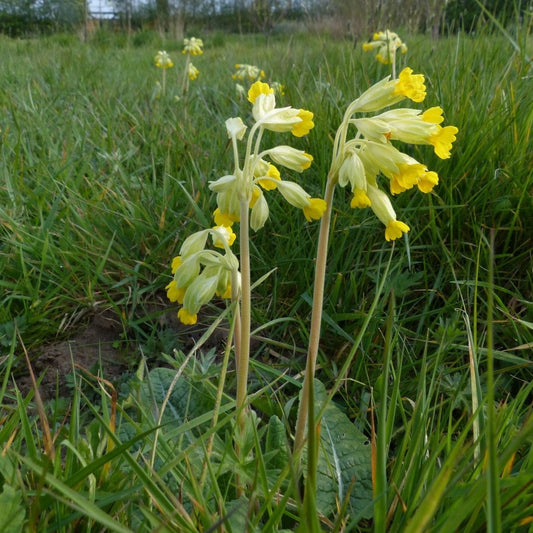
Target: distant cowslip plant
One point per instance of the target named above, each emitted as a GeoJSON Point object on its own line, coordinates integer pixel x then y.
{"type": "Point", "coordinates": [248, 73]}
{"type": "Point", "coordinates": [163, 61]}
{"type": "Point", "coordinates": [191, 47]}
{"type": "Point", "coordinates": [387, 43]}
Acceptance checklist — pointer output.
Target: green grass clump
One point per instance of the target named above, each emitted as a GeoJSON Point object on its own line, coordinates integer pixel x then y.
{"type": "Point", "coordinates": [100, 183]}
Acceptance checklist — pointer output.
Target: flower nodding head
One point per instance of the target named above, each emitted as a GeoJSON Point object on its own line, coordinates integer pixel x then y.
{"type": "Point", "coordinates": [193, 46]}
{"type": "Point", "coordinates": [411, 85]}
{"type": "Point", "coordinates": [162, 60]}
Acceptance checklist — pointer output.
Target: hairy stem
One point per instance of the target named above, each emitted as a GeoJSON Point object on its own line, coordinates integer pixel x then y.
{"type": "Point", "coordinates": [304, 411]}
{"type": "Point", "coordinates": [244, 343]}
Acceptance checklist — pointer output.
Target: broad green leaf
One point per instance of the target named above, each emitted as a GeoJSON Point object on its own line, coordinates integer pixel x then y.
{"type": "Point", "coordinates": [188, 399]}
{"type": "Point", "coordinates": [12, 515]}
{"type": "Point", "coordinates": [344, 466]}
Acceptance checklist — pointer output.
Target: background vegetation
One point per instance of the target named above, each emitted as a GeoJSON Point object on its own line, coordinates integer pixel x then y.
{"type": "Point", "coordinates": [351, 17]}
{"type": "Point", "coordinates": [100, 183]}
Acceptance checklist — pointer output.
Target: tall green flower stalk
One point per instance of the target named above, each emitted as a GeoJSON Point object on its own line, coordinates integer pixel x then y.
{"type": "Point", "coordinates": [363, 161]}
{"type": "Point", "coordinates": [241, 198]}
{"type": "Point", "coordinates": [162, 60]}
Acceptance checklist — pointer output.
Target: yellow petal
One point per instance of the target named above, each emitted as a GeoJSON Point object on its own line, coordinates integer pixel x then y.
{"type": "Point", "coordinates": [411, 85]}
{"type": "Point", "coordinates": [360, 199]}
{"type": "Point", "coordinates": [315, 209]}
{"type": "Point", "coordinates": [428, 181]}
{"type": "Point", "coordinates": [302, 128]}
{"type": "Point", "coordinates": [258, 88]}
{"type": "Point", "coordinates": [395, 229]}
{"type": "Point", "coordinates": [186, 317]}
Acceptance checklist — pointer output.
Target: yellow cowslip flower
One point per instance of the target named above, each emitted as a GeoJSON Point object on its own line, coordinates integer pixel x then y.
{"type": "Point", "coordinates": [442, 140]}
{"type": "Point", "coordinates": [408, 175]}
{"type": "Point", "coordinates": [257, 89]}
{"type": "Point", "coordinates": [382, 207]}
{"type": "Point", "coordinates": [224, 219]}
{"type": "Point", "coordinates": [410, 85]}
{"type": "Point", "coordinates": [360, 199]}
{"type": "Point", "coordinates": [192, 72]}
{"type": "Point", "coordinates": [193, 46]}
{"type": "Point", "coordinates": [359, 161]}
{"type": "Point", "coordinates": [162, 60]}
{"type": "Point", "coordinates": [248, 72]}
{"type": "Point", "coordinates": [247, 185]}
{"type": "Point", "coordinates": [297, 121]}
{"type": "Point", "coordinates": [222, 236]}
{"type": "Point", "coordinates": [174, 294]}
{"type": "Point", "coordinates": [395, 229]}
{"type": "Point", "coordinates": [290, 157]}
{"type": "Point", "coordinates": [427, 181]}
{"type": "Point", "coordinates": [302, 128]}
{"type": "Point", "coordinates": [315, 209]}
{"type": "Point", "coordinates": [410, 126]}
{"type": "Point", "coordinates": [186, 317]}
{"type": "Point", "coordinates": [266, 170]}
{"type": "Point", "coordinates": [387, 43]}
{"type": "Point", "coordinates": [388, 92]}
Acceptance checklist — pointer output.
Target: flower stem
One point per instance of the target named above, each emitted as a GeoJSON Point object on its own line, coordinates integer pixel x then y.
{"type": "Point", "coordinates": [185, 80]}
{"type": "Point", "coordinates": [304, 411]}
{"type": "Point", "coordinates": [244, 342]}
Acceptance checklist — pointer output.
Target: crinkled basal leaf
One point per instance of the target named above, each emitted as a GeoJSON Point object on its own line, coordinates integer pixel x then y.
{"type": "Point", "coordinates": [236, 518]}
{"type": "Point", "coordinates": [276, 443]}
{"type": "Point", "coordinates": [344, 463]}
{"type": "Point", "coordinates": [12, 515]}
{"type": "Point", "coordinates": [188, 399]}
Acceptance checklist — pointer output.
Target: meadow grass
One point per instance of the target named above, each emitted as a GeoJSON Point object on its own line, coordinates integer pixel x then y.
{"type": "Point", "coordinates": [426, 348]}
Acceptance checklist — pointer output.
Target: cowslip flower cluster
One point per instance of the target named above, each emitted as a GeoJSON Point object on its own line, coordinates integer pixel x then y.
{"type": "Point", "coordinates": [248, 73]}
{"type": "Point", "coordinates": [258, 172]}
{"type": "Point", "coordinates": [387, 43]}
{"type": "Point", "coordinates": [359, 161]}
{"type": "Point", "coordinates": [193, 46]}
{"type": "Point", "coordinates": [162, 60]}
{"type": "Point", "coordinates": [200, 273]}
{"type": "Point", "coordinates": [192, 72]}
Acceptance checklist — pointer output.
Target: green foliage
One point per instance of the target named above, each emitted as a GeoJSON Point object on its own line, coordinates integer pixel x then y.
{"type": "Point", "coordinates": [344, 471]}
{"type": "Point", "coordinates": [101, 182]}
{"type": "Point", "coordinates": [469, 15]}
{"type": "Point", "coordinates": [13, 513]}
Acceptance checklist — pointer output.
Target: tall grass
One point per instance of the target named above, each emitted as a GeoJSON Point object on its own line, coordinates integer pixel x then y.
{"type": "Point", "coordinates": [101, 181]}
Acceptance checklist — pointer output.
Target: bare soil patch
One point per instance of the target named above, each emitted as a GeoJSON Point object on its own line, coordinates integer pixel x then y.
{"type": "Point", "coordinates": [92, 347]}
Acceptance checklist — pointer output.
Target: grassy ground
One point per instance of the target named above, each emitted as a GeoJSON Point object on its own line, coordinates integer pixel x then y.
{"type": "Point", "coordinates": [102, 181]}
